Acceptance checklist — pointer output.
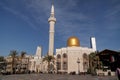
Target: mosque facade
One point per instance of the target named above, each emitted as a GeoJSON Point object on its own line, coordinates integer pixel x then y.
{"type": "Point", "coordinates": [72, 58]}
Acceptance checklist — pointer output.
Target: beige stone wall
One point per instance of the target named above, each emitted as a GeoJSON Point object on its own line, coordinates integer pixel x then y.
{"type": "Point", "coordinates": [73, 54]}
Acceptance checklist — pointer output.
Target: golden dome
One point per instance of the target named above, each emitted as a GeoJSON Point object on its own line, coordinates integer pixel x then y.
{"type": "Point", "coordinates": [73, 42]}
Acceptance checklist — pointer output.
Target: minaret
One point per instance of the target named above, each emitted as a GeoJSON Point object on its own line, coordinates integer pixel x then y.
{"type": "Point", "coordinates": [39, 51]}
{"type": "Point", "coordinates": [51, 21]}
{"type": "Point", "coordinates": [93, 43]}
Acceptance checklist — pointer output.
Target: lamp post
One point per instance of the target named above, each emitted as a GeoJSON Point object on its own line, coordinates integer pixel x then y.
{"type": "Point", "coordinates": [78, 61]}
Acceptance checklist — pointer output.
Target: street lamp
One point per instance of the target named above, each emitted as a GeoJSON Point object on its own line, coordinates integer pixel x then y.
{"type": "Point", "coordinates": [78, 61]}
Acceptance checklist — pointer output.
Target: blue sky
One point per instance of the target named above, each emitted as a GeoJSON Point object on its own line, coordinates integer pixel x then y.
{"type": "Point", "coordinates": [24, 24]}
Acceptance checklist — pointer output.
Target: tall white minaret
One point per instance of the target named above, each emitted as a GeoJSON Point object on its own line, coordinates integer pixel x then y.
{"type": "Point", "coordinates": [51, 21]}
{"type": "Point", "coordinates": [93, 43]}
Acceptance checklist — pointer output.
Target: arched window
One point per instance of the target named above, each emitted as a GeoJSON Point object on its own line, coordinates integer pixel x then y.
{"type": "Point", "coordinates": [64, 55]}
{"type": "Point", "coordinates": [58, 62]}
{"type": "Point", "coordinates": [85, 56]}
{"type": "Point", "coordinates": [58, 56]}
{"type": "Point", "coordinates": [65, 62]}
{"type": "Point", "coordinates": [58, 65]}
{"type": "Point", "coordinates": [64, 65]}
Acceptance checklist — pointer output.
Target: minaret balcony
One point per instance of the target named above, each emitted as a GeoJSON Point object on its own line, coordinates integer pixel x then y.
{"type": "Point", "coordinates": [52, 19]}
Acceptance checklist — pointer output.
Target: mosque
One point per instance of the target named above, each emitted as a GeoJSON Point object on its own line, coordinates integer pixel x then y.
{"type": "Point", "coordinates": [72, 58]}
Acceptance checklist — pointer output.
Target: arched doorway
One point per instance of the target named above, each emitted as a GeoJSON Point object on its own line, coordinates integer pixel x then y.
{"type": "Point", "coordinates": [65, 62]}
{"type": "Point", "coordinates": [58, 62]}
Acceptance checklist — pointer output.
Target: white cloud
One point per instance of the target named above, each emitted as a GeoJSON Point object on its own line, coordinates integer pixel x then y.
{"type": "Point", "coordinates": [113, 11]}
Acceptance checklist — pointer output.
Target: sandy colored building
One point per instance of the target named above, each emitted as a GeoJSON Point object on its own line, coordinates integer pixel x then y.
{"type": "Point", "coordinates": [73, 58]}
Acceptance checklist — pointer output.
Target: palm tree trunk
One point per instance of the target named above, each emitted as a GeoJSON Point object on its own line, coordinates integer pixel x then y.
{"type": "Point", "coordinates": [12, 65]}
{"type": "Point", "coordinates": [48, 67]}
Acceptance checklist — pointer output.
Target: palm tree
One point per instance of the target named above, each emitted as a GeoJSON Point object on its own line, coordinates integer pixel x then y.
{"type": "Point", "coordinates": [49, 59]}
{"type": "Point", "coordinates": [2, 63]}
{"type": "Point", "coordinates": [13, 54]}
{"type": "Point", "coordinates": [1, 58]}
{"type": "Point", "coordinates": [93, 62]}
{"type": "Point", "coordinates": [22, 56]}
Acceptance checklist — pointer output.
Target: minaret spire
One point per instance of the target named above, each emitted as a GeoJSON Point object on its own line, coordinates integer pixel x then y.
{"type": "Point", "coordinates": [52, 9]}
{"type": "Point", "coordinates": [51, 21]}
